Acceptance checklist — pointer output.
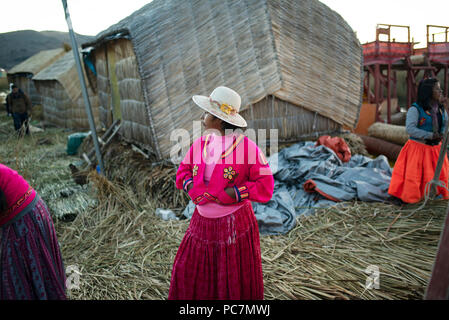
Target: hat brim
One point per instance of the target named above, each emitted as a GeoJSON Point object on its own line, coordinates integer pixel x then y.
{"type": "Point", "coordinates": [204, 103]}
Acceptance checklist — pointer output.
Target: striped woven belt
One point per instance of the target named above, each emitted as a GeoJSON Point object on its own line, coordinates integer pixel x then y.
{"type": "Point", "coordinates": [22, 212]}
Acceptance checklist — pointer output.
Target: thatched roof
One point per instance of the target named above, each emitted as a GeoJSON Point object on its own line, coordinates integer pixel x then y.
{"type": "Point", "coordinates": [63, 71]}
{"type": "Point", "coordinates": [37, 62]}
{"type": "Point", "coordinates": [299, 51]}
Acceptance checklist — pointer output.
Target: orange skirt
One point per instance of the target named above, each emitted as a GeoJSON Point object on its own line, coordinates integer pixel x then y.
{"type": "Point", "coordinates": [414, 168]}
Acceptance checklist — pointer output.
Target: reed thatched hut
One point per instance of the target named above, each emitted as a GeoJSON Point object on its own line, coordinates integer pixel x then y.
{"type": "Point", "coordinates": [296, 64]}
{"type": "Point", "coordinates": [62, 99]}
{"type": "Point", "coordinates": [22, 73]}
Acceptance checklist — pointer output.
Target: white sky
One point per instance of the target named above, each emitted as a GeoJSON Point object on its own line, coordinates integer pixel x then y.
{"type": "Point", "coordinates": [89, 17]}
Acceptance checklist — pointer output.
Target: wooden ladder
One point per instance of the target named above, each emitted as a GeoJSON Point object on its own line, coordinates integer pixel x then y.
{"type": "Point", "coordinates": [104, 141]}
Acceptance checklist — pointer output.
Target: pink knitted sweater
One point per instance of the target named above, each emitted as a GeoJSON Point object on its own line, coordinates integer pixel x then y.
{"type": "Point", "coordinates": [17, 191]}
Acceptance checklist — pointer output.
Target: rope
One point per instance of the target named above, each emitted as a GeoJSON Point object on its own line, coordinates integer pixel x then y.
{"type": "Point", "coordinates": [438, 183]}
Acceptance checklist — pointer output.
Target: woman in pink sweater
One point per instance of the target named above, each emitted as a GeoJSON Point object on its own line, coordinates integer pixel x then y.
{"type": "Point", "coordinates": [30, 259]}
{"type": "Point", "coordinates": [219, 256]}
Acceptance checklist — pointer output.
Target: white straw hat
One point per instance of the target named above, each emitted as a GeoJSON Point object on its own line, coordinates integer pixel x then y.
{"type": "Point", "coordinates": [224, 103]}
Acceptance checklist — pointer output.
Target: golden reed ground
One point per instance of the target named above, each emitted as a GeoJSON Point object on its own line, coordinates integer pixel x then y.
{"type": "Point", "coordinates": [124, 251]}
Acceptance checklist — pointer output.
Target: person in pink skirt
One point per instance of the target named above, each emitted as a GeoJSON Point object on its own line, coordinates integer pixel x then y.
{"type": "Point", "coordinates": [219, 256]}
{"type": "Point", "coordinates": [31, 266]}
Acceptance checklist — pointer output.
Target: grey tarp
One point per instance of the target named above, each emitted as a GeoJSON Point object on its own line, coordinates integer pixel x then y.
{"type": "Point", "coordinates": [361, 178]}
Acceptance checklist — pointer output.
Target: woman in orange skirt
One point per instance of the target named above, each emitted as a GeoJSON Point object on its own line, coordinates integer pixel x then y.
{"type": "Point", "coordinates": [415, 166]}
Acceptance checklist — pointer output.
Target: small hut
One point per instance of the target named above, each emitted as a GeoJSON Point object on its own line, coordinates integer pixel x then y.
{"type": "Point", "coordinates": [296, 64]}
{"type": "Point", "coordinates": [62, 99]}
{"type": "Point", "coordinates": [22, 73]}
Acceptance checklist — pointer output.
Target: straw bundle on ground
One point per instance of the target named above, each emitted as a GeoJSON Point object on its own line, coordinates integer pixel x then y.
{"type": "Point", "coordinates": [376, 146]}
{"type": "Point", "coordinates": [399, 118]}
{"type": "Point", "coordinates": [146, 180]}
{"type": "Point", "coordinates": [327, 255]}
{"type": "Point", "coordinates": [124, 251]}
{"type": "Point", "coordinates": [388, 132]}
{"type": "Point", "coordinates": [261, 49]}
{"type": "Point", "coordinates": [121, 248]}
{"type": "Point", "coordinates": [62, 98]}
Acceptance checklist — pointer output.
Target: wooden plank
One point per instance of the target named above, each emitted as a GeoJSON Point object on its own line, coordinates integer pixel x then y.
{"type": "Point", "coordinates": [106, 136]}
{"type": "Point", "coordinates": [438, 287]}
{"type": "Point", "coordinates": [86, 158]}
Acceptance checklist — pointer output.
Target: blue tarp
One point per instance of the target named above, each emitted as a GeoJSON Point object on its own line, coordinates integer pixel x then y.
{"type": "Point", "coordinates": [361, 178]}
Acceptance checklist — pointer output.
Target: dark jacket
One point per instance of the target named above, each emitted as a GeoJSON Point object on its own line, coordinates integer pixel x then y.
{"type": "Point", "coordinates": [18, 102]}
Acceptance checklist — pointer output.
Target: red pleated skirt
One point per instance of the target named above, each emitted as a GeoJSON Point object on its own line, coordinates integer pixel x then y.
{"type": "Point", "coordinates": [219, 259]}
{"type": "Point", "coordinates": [414, 168]}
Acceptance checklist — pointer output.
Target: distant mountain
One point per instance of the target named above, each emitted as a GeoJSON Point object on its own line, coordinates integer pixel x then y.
{"type": "Point", "coordinates": [18, 46]}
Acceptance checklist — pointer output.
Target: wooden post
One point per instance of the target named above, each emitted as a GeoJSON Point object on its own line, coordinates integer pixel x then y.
{"type": "Point", "coordinates": [409, 88]}
{"type": "Point", "coordinates": [368, 90]}
{"type": "Point", "coordinates": [438, 287]}
{"type": "Point", "coordinates": [395, 90]}
{"type": "Point", "coordinates": [441, 157]}
{"type": "Point", "coordinates": [389, 93]}
{"type": "Point", "coordinates": [377, 90]}
{"type": "Point", "coordinates": [446, 94]}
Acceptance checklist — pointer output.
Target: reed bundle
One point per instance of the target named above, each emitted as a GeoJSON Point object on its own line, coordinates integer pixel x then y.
{"type": "Point", "coordinates": [125, 252]}
{"type": "Point", "coordinates": [389, 132]}
{"type": "Point", "coordinates": [122, 249]}
{"type": "Point", "coordinates": [156, 182]}
{"type": "Point", "coordinates": [376, 146]}
{"type": "Point", "coordinates": [326, 256]}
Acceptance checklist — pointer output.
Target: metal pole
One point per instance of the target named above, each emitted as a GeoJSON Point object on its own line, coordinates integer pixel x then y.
{"type": "Point", "coordinates": [377, 90]}
{"type": "Point", "coordinates": [90, 116]}
{"type": "Point", "coordinates": [368, 90]}
{"type": "Point", "coordinates": [441, 158]}
{"type": "Point", "coordinates": [389, 93]}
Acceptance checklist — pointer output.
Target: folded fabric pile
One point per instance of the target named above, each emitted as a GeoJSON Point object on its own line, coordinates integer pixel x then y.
{"type": "Point", "coordinates": [309, 177]}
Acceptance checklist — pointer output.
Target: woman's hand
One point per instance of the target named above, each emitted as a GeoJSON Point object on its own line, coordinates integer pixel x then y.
{"type": "Point", "coordinates": [437, 136]}
{"type": "Point", "coordinates": [189, 187]}
{"type": "Point", "coordinates": [230, 192]}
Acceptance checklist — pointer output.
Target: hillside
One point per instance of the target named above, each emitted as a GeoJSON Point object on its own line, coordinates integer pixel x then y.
{"type": "Point", "coordinates": [18, 46]}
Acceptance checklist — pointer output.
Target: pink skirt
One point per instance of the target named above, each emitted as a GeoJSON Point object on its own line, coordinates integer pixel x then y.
{"type": "Point", "coordinates": [219, 259]}
{"type": "Point", "coordinates": [31, 266]}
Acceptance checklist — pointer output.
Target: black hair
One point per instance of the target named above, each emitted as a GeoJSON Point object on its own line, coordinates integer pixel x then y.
{"type": "Point", "coordinates": [3, 203]}
{"type": "Point", "coordinates": [425, 92]}
{"type": "Point", "coordinates": [225, 126]}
